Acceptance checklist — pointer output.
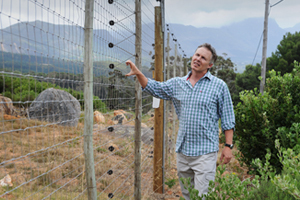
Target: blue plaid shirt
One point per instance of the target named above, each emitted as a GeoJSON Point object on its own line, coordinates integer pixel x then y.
{"type": "Point", "coordinates": [199, 109]}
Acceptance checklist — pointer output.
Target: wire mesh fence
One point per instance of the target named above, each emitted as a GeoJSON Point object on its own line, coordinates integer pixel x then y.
{"type": "Point", "coordinates": [42, 99]}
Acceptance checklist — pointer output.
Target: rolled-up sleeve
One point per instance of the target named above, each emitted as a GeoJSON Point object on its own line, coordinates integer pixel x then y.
{"type": "Point", "coordinates": [162, 90]}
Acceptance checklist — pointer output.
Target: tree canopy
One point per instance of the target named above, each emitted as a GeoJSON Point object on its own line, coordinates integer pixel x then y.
{"type": "Point", "coordinates": [248, 80]}
{"type": "Point", "coordinates": [287, 52]}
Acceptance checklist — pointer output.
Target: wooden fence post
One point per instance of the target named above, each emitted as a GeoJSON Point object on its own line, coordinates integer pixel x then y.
{"type": "Point", "coordinates": [159, 116]}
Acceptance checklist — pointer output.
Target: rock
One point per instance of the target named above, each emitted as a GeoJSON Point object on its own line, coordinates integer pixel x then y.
{"type": "Point", "coordinates": [54, 105]}
{"type": "Point", "coordinates": [111, 122]}
{"type": "Point", "coordinates": [98, 117]}
{"type": "Point", "coordinates": [6, 106]}
{"type": "Point", "coordinates": [10, 117]}
{"type": "Point", "coordinates": [119, 112]}
{"type": "Point", "coordinates": [144, 125]}
{"type": "Point", "coordinates": [121, 119]}
{"type": "Point", "coordinates": [169, 192]}
{"type": "Point", "coordinates": [147, 136]}
{"type": "Point", "coordinates": [6, 181]}
{"type": "Point", "coordinates": [126, 114]}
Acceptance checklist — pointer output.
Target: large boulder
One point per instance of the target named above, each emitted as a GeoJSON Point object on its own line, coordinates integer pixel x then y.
{"type": "Point", "coordinates": [6, 106]}
{"type": "Point", "coordinates": [54, 105]}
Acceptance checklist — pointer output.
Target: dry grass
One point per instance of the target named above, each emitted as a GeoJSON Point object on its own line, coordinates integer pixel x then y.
{"type": "Point", "coordinates": [47, 160]}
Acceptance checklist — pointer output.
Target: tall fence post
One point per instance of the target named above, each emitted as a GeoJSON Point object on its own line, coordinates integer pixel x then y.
{"type": "Point", "coordinates": [173, 108]}
{"type": "Point", "coordinates": [159, 112]}
{"type": "Point", "coordinates": [138, 103]}
{"type": "Point", "coordinates": [167, 72]}
{"type": "Point", "coordinates": [185, 66]}
{"type": "Point", "coordinates": [88, 101]}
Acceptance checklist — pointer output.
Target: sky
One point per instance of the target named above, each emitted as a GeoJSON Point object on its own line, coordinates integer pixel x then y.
{"type": "Point", "coordinates": [198, 13]}
{"type": "Point", "coordinates": [218, 13]}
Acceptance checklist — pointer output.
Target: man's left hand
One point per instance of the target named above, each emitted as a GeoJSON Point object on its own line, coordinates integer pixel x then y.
{"type": "Point", "coordinates": [226, 155]}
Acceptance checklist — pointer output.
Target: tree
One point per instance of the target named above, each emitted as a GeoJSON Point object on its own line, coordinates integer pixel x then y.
{"type": "Point", "coordinates": [287, 52]}
{"type": "Point", "coordinates": [224, 69]}
{"type": "Point", "coordinates": [248, 80]}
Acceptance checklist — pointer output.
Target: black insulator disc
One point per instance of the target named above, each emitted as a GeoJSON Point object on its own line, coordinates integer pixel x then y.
{"type": "Point", "coordinates": [110, 172]}
{"type": "Point", "coordinates": [110, 45]}
{"type": "Point", "coordinates": [111, 22]}
{"type": "Point", "coordinates": [110, 195]}
{"type": "Point", "coordinates": [111, 148]}
{"type": "Point", "coordinates": [111, 66]}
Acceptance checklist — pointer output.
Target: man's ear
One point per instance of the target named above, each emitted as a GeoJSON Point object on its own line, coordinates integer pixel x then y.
{"type": "Point", "coordinates": [210, 65]}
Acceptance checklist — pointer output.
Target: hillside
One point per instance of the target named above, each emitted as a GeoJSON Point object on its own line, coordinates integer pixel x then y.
{"type": "Point", "coordinates": [239, 40]}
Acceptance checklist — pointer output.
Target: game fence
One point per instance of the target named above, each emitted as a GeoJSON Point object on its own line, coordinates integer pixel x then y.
{"type": "Point", "coordinates": [42, 99]}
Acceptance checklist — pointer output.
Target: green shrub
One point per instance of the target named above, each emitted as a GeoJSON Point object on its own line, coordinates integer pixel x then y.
{"type": "Point", "coordinates": [171, 182]}
{"type": "Point", "coordinates": [224, 187]}
{"type": "Point", "coordinates": [268, 190]}
{"type": "Point", "coordinates": [261, 119]}
{"type": "Point", "coordinates": [284, 186]}
{"type": "Point", "coordinates": [288, 181]}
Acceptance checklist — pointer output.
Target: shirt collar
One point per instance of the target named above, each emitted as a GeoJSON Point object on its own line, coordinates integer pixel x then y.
{"type": "Point", "coordinates": [207, 75]}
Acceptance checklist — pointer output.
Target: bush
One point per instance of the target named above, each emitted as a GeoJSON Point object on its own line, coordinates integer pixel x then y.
{"type": "Point", "coordinates": [267, 190]}
{"type": "Point", "coordinates": [261, 119]}
{"type": "Point", "coordinates": [285, 186]}
{"type": "Point", "coordinates": [288, 182]}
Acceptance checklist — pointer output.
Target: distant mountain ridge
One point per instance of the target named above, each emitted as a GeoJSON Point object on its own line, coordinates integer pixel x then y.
{"type": "Point", "coordinates": [239, 40]}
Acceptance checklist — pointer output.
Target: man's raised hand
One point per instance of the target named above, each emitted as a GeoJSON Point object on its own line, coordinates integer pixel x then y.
{"type": "Point", "coordinates": [134, 69]}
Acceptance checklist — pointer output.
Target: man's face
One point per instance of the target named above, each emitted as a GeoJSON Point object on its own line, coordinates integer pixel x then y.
{"type": "Point", "coordinates": [201, 60]}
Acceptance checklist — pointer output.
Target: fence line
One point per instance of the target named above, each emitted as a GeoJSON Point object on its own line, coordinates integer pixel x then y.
{"type": "Point", "coordinates": [42, 99]}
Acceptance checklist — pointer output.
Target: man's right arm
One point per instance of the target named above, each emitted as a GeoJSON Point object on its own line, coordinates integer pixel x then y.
{"type": "Point", "coordinates": [135, 71]}
{"type": "Point", "coordinates": [157, 89]}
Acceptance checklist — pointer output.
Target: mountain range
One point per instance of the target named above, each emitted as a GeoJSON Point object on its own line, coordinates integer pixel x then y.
{"type": "Point", "coordinates": [240, 41]}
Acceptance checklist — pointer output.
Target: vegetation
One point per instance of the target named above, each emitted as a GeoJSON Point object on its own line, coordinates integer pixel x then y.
{"type": "Point", "coordinates": [265, 186]}
{"type": "Point", "coordinates": [261, 119]}
{"type": "Point", "coordinates": [248, 80]}
{"type": "Point", "coordinates": [287, 51]}
{"type": "Point", "coordinates": [25, 90]}
{"type": "Point", "coordinates": [224, 69]}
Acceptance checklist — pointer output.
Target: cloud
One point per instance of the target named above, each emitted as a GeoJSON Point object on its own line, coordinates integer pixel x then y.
{"type": "Point", "coordinates": [217, 13]}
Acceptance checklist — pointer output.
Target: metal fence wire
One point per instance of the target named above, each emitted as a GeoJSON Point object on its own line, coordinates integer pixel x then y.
{"type": "Point", "coordinates": [42, 99]}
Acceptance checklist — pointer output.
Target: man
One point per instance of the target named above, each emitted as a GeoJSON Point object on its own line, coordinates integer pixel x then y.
{"type": "Point", "coordinates": [200, 100]}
